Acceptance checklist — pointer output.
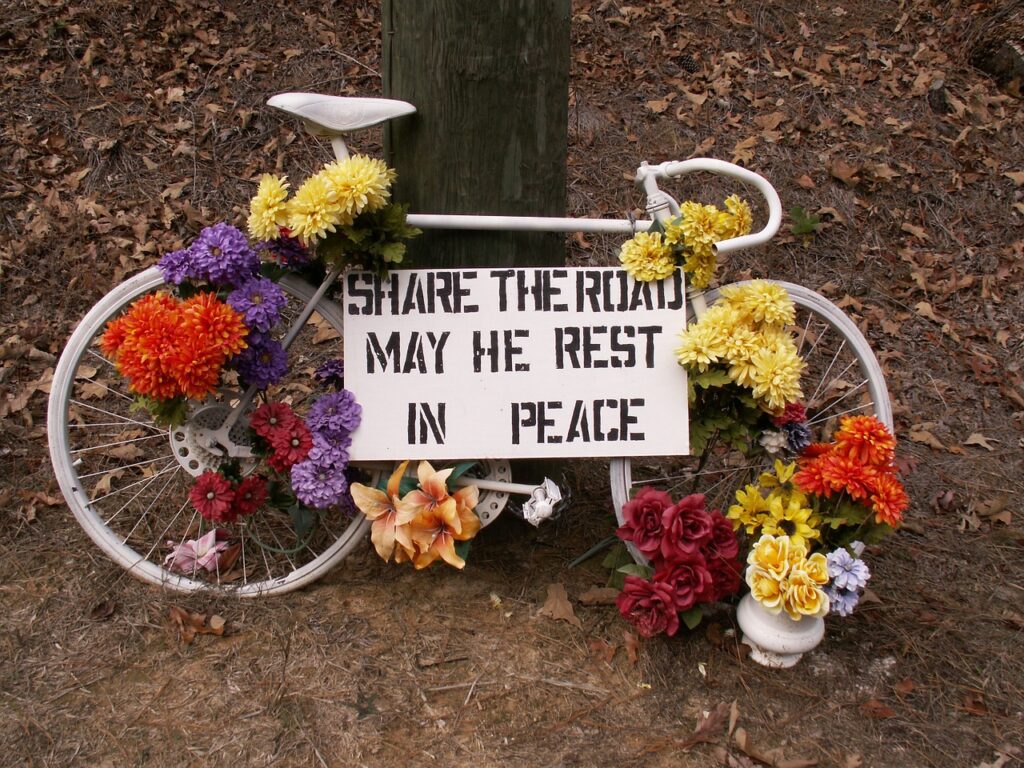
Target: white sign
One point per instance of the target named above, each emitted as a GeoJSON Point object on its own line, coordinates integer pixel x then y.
{"type": "Point", "coordinates": [514, 363]}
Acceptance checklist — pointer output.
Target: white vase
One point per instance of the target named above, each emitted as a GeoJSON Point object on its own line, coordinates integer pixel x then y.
{"type": "Point", "coordinates": [776, 640]}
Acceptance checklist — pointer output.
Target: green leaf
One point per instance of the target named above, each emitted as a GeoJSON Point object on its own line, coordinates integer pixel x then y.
{"type": "Point", "coordinates": [617, 557]}
{"type": "Point", "coordinates": [635, 569]}
{"type": "Point", "coordinates": [458, 471]}
{"type": "Point", "coordinates": [713, 377]}
{"type": "Point", "coordinates": [692, 617]}
{"type": "Point", "coordinates": [803, 223]}
{"type": "Point", "coordinates": [462, 549]}
{"type": "Point", "coordinates": [303, 519]}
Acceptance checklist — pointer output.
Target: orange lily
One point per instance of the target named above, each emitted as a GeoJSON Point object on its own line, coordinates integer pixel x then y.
{"type": "Point", "coordinates": [435, 534]}
{"type": "Point", "coordinates": [382, 508]}
{"type": "Point", "coordinates": [431, 497]}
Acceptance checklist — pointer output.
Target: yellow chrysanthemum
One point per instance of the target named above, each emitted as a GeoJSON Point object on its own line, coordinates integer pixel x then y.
{"type": "Point", "coordinates": [776, 377]}
{"type": "Point", "coordinates": [313, 212]}
{"type": "Point", "coordinates": [803, 597]}
{"type": "Point", "coordinates": [700, 264]}
{"type": "Point", "coordinates": [646, 257]}
{"type": "Point", "coordinates": [698, 223]}
{"type": "Point", "coordinates": [766, 588]}
{"type": "Point", "coordinates": [786, 516]}
{"type": "Point", "coordinates": [268, 211]}
{"type": "Point", "coordinates": [740, 345]}
{"type": "Point", "coordinates": [359, 183]}
{"type": "Point", "coordinates": [701, 345]}
{"type": "Point", "coordinates": [764, 301]}
{"type": "Point", "coordinates": [749, 509]}
{"type": "Point", "coordinates": [736, 220]}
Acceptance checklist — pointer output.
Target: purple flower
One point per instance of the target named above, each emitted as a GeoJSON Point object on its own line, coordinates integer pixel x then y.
{"type": "Point", "coordinates": [332, 373]}
{"type": "Point", "coordinates": [318, 485]}
{"type": "Point", "coordinates": [846, 572]}
{"type": "Point", "coordinates": [335, 415]}
{"type": "Point", "coordinates": [263, 362]}
{"type": "Point", "coordinates": [287, 250]}
{"type": "Point", "coordinates": [329, 452]}
{"type": "Point", "coordinates": [798, 436]}
{"type": "Point", "coordinates": [221, 255]}
{"type": "Point", "coordinates": [260, 301]}
{"type": "Point", "coordinates": [175, 266]}
{"type": "Point", "coordinates": [841, 601]}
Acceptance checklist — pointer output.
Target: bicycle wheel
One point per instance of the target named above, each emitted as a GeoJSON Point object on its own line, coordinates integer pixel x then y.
{"type": "Point", "coordinates": [127, 479]}
{"type": "Point", "coordinates": [842, 377]}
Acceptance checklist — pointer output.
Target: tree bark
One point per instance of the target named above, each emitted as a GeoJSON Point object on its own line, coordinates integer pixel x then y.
{"type": "Point", "coordinates": [490, 84]}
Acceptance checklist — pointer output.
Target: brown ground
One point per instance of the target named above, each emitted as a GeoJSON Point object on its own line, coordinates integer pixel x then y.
{"type": "Point", "coordinates": [127, 126]}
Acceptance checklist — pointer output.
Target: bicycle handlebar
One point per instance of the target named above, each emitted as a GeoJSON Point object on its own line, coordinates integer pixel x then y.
{"type": "Point", "coordinates": [647, 175]}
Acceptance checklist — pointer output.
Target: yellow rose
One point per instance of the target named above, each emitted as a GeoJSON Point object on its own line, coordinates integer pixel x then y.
{"type": "Point", "coordinates": [765, 588]}
{"type": "Point", "coordinates": [773, 554]}
{"type": "Point", "coordinates": [816, 567]}
{"type": "Point", "coordinates": [803, 597]}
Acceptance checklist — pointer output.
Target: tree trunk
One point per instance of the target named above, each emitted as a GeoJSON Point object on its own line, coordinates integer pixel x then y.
{"type": "Point", "coordinates": [490, 84]}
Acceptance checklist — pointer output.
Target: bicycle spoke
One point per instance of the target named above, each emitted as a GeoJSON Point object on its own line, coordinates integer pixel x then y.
{"type": "Point", "coordinates": [114, 444]}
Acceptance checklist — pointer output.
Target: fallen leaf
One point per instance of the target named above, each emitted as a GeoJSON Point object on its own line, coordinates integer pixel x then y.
{"type": "Point", "coordinates": [805, 182]}
{"type": "Point", "coordinates": [905, 687]}
{"type": "Point", "coordinates": [924, 309]}
{"type": "Point", "coordinates": [873, 708]}
{"type": "Point", "coordinates": [191, 624]}
{"type": "Point", "coordinates": [843, 171]}
{"type": "Point", "coordinates": [660, 105]}
{"type": "Point", "coordinates": [913, 229]}
{"type": "Point", "coordinates": [974, 703]}
{"type": "Point", "coordinates": [1017, 177]}
{"type": "Point", "coordinates": [926, 437]}
{"type": "Point", "coordinates": [977, 438]}
{"type": "Point", "coordinates": [558, 607]}
{"type": "Point", "coordinates": [598, 596]}
{"type": "Point", "coordinates": [602, 650]}
{"type": "Point", "coordinates": [103, 611]}
{"type": "Point", "coordinates": [743, 152]}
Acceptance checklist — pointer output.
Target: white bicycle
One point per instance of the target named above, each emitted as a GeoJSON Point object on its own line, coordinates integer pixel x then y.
{"type": "Point", "coordinates": [127, 479]}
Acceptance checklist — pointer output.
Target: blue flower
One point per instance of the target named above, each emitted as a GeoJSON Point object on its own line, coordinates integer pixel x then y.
{"type": "Point", "coordinates": [263, 362]}
{"type": "Point", "coordinates": [841, 601]}
{"type": "Point", "coordinates": [846, 572]}
{"type": "Point", "coordinates": [332, 373]}
{"type": "Point", "coordinates": [288, 250]}
{"type": "Point", "coordinates": [175, 266]}
{"type": "Point", "coordinates": [221, 255]}
{"type": "Point", "coordinates": [798, 436]}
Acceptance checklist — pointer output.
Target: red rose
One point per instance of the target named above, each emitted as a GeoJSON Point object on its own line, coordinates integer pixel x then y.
{"type": "Point", "coordinates": [690, 582]}
{"type": "Point", "coordinates": [648, 606]}
{"type": "Point", "coordinates": [687, 528]}
{"type": "Point", "coordinates": [725, 577]}
{"type": "Point", "coordinates": [642, 515]}
{"type": "Point", "coordinates": [723, 542]}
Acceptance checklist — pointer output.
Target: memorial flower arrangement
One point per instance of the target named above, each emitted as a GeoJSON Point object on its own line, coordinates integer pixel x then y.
{"type": "Point", "coordinates": [693, 560]}
{"type": "Point", "coordinates": [219, 325]}
{"type": "Point", "coordinates": [687, 240]}
{"type": "Point", "coordinates": [743, 371]}
{"type": "Point", "coordinates": [832, 500]}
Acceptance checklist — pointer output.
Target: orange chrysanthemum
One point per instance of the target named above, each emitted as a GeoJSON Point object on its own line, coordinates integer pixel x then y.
{"type": "Point", "coordinates": [215, 324]}
{"type": "Point", "coordinates": [889, 499]}
{"type": "Point", "coordinates": [811, 478]}
{"type": "Point", "coordinates": [866, 440]}
{"type": "Point", "coordinates": [832, 472]}
{"type": "Point", "coordinates": [166, 348]}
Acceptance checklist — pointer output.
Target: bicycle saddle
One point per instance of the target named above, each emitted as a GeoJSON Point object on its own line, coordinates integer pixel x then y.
{"type": "Point", "coordinates": [334, 115]}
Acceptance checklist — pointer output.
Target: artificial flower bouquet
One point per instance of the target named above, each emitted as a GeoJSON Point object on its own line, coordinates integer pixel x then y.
{"type": "Point", "coordinates": [220, 323]}
{"type": "Point", "coordinates": [687, 240]}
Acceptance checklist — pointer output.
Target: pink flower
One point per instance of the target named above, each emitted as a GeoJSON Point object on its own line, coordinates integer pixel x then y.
{"type": "Point", "coordinates": [723, 542]}
{"type": "Point", "coordinates": [212, 495]}
{"type": "Point", "coordinates": [642, 516]}
{"type": "Point", "coordinates": [196, 554]}
{"type": "Point", "coordinates": [648, 606]}
{"type": "Point", "coordinates": [690, 582]}
{"type": "Point", "coordinates": [687, 528]}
